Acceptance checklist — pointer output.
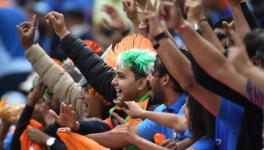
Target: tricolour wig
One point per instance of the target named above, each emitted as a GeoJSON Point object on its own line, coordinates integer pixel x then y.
{"type": "Point", "coordinates": [139, 61]}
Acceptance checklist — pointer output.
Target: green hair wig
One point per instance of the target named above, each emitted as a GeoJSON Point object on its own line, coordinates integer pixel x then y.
{"type": "Point", "coordinates": [141, 62]}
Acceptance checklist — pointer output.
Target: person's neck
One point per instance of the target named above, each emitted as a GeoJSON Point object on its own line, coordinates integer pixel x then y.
{"type": "Point", "coordinates": [170, 98]}
{"type": "Point", "coordinates": [141, 94]}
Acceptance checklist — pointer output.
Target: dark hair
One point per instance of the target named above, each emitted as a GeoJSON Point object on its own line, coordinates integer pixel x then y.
{"type": "Point", "coordinates": [202, 122]}
{"type": "Point", "coordinates": [160, 70]}
{"type": "Point", "coordinates": [254, 42]}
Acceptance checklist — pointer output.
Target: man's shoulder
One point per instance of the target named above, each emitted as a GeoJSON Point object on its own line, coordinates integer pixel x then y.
{"type": "Point", "coordinates": [160, 108]}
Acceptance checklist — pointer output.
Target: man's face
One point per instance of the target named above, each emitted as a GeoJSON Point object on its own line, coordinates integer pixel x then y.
{"type": "Point", "coordinates": [125, 84]}
{"type": "Point", "coordinates": [156, 88]}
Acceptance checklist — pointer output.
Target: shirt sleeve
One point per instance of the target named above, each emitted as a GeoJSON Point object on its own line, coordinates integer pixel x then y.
{"type": "Point", "coordinates": [147, 129]}
{"type": "Point", "coordinates": [92, 126]}
{"type": "Point", "coordinates": [230, 113]}
{"type": "Point", "coordinates": [255, 95]}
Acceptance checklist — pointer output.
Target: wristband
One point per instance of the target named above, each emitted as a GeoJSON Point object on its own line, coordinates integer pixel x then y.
{"type": "Point", "coordinates": [65, 35]}
{"type": "Point", "coordinates": [156, 45]}
{"type": "Point", "coordinates": [196, 27]}
{"type": "Point", "coordinates": [160, 36]}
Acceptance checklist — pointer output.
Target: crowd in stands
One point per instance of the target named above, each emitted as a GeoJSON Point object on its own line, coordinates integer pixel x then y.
{"type": "Point", "coordinates": [132, 74]}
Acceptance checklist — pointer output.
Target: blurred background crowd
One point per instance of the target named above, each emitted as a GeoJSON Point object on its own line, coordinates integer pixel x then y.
{"type": "Point", "coordinates": [102, 21]}
{"type": "Point", "coordinates": [88, 19]}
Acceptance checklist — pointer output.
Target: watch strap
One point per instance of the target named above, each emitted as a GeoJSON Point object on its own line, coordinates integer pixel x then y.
{"type": "Point", "coordinates": [160, 36]}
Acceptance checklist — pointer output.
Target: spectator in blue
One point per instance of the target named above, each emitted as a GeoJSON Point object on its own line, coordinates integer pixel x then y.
{"type": "Point", "coordinates": [14, 67]}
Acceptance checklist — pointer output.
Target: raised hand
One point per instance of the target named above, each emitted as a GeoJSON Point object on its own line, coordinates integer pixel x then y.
{"type": "Point", "coordinates": [67, 117]}
{"type": "Point", "coordinates": [26, 32]}
{"type": "Point", "coordinates": [194, 10]}
{"type": "Point", "coordinates": [37, 136]}
{"type": "Point", "coordinates": [228, 26]}
{"type": "Point", "coordinates": [131, 9]}
{"type": "Point", "coordinates": [116, 21]}
{"type": "Point", "coordinates": [134, 109]}
{"type": "Point", "coordinates": [151, 17]}
{"type": "Point", "coordinates": [56, 20]}
{"type": "Point", "coordinates": [36, 94]}
{"type": "Point", "coordinates": [176, 15]}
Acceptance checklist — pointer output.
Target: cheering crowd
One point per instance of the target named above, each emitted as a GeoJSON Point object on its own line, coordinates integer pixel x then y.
{"type": "Point", "coordinates": [172, 80]}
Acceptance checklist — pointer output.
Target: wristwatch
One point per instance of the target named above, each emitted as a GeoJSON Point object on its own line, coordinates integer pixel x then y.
{"type": "Point", "coordinates": [158, 37]}
{"type": "Point", "coordinates": [50, 141]}
{"type": "Point", "coordinates": [161, 35]}
{"type": "Point", "coordinates": [196, 26]}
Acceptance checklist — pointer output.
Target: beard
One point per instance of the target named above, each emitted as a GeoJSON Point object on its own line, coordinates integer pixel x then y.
{"type": "Point", "coordinates": [157, 96]}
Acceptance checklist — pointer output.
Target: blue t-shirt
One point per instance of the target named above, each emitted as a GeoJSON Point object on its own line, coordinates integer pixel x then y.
{"type": "Point", "coordinates": [203, 143]}
{"type": "Point", "coordinates": [228, 122]}
{"type": "Point", "coordinates": [147, 129]}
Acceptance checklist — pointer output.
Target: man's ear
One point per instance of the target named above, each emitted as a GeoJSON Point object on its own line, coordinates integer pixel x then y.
{"type": "Point", "coordinates": [164, 80]}
{"type": "Point", "coordinates": [142, 83]}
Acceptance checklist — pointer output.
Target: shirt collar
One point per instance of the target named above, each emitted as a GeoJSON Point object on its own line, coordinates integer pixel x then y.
{"type": "Point", "coordinates": [178, 103]}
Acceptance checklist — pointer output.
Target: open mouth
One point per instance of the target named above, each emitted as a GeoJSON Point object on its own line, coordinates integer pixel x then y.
{"type": "Point", "coordinates": [118, 91]}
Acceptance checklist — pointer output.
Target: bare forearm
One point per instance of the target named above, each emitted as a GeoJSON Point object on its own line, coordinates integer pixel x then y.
{"type": "Point", "coordinates": [177, 64]}
{"type": "Point", "coordinates": [147, 145]}
{"type": "Point", "coordinates": [210, 36]}
{"type": "Point", "coordinates": [212, 61]}
{"type": "Point", "coordinates": [204, 53]}
{"type": "Point", "coordinates": [184, 144]}
{"type": "Point", "coordinates": [109, 140]}
{"type": "Point", "coordinates": [169, 120]}
{"type": "Point", "coordinates": [241, 24]}
{"type": "Point", "coordinates": [136, 23]}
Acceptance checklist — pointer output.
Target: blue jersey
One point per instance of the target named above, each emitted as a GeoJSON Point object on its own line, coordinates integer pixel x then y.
{"type": "Point", "coordinates": [147, 129]}
{"type": "Point", "coordinates": [204, 144]}
{"type": "Point", "coordinates": [228, 122]}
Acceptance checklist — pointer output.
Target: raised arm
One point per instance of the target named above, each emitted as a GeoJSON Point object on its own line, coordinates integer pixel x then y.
{"type": "Point", "coordinates": [241, 24]}
{"type": "Point", "coordinates": [131, 11]}
{"type": "Point", "coordinates": [179, 66]}
{"type": "Point", "coordinates": [25, 117]}
{"type": "Point", "coordinates": [97, 73]}
{"type": "Point", "coordinates": [209, 58]}
{"type": "Point", "coordinates": [54, 76]}
{"type": "Point", "coordinates": [194, 9]}
{"type": "Point", "coordinates": [240, 60]}
{"type": "Point", "coordinates": [116, 21]}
